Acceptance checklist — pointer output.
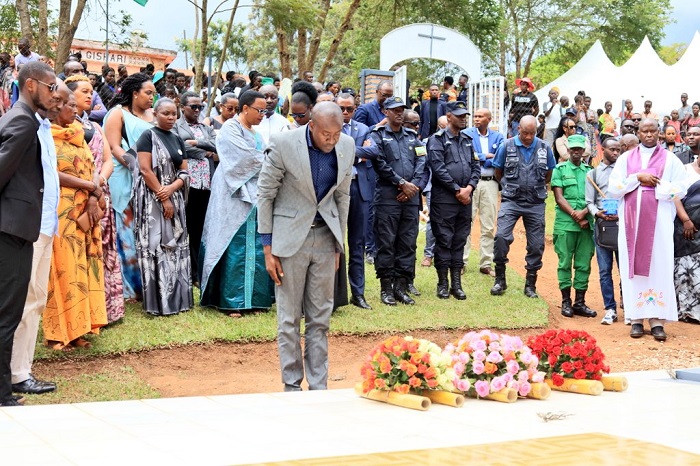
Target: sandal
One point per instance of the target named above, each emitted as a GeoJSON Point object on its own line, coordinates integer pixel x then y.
{"type": "Point", "coordinates": [81, 343]}
{"type": "Point", "coordinates": [235, 315]}
{"type": "Point", "coordinates": [58, 346]}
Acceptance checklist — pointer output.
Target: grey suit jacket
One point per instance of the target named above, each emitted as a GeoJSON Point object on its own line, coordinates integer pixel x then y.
{"type": "Point", "coordinates": [286, 197]}
{"type": "Point", "coordinates": [21, 173]}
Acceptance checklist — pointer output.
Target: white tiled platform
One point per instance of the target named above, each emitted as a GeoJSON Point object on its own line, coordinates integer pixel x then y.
{"type": "Point", "coordinates": [240, 429]}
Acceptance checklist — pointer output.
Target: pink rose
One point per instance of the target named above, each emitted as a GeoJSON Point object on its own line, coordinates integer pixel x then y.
{"type": "Point", "coordinates": [513, 367]}
{"type": "Point", "coordinates": [494, 357]}
{"type": "Point", "coordinates": [523, 375]}
{"type": "Point", "coordinates": [538, 377]}
{"type": "Point", "coordinates": [459, 368]}
{"type": "Point", "coordinates": [479, 356]}
{"type": "Point", "coordinates": [478, 367]}
{"type": "Point", "coordinates": [482, 388]}
{"type": "Point", "coordinates": [507, 377]}
{"type": "Point", "coordinates": [495, 346]}
{"type": "Point", "coordinates": [497, 384]}
{"type": "Point", "coordinates": [464, 357]}
{"type": "Point", "coordinates": [462, 385]}
{"type": "Point", "coordinates": [524, 388]}
{"type": "Point", "coordinates": [478, 345]}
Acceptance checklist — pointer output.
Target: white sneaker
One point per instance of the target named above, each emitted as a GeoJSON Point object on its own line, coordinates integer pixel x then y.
{"type": "Point", "coordinates": [628, 321]}
{"type": "Point", "coordinates": [610, 317]}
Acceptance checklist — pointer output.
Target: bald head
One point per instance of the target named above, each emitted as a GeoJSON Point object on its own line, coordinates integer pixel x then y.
{"type": "Point", "coordinates": [527, 129]}
{"type": "Point", "coordinates": [71, 68]}
{"type": "Point", "coordinates": [326, 125]}
{"type": "Point", "coordinates": [628, 142]}
{"type": "Point", "coordinates": [57, 103]}
{"type": "Point", "coordinates": [482, 118]}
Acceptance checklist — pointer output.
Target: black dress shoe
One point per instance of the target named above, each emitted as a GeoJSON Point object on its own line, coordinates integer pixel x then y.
{"type": "Point", "coordinates": [33, 386]}
{"type": "Point", "coordinates": [658, 333]}
{"type": "Point", "coordinates": [637, 331]}
{"type": "Point", "coordinates": [360, 301]}
{"type": "Point", "coordinates": [10, 402]}
{"type": "Point", "coordinates": [411, 288]}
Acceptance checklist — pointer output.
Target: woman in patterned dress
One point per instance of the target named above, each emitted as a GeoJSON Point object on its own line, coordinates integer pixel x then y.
{"type": "Point", "coordinates": [160, 193]}
{"type": "Point", "coordinates": [104, 164]}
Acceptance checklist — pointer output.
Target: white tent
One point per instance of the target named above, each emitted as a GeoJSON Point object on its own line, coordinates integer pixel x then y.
{"type": "Point", "coordinates": [643, 77]}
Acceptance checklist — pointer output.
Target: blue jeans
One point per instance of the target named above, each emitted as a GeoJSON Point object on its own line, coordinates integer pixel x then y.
{"type": "Point", "coordinates": [605, 265]}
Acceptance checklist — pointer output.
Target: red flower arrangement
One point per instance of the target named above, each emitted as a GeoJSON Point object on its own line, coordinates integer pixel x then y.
{"type": "Point", "coordinates": [568, 354]}
{"type": "Point", "coordinates": [401, 364]}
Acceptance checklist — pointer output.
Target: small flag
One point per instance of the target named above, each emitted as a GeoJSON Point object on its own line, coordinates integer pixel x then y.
{"type": "Point", "coordinates": [141, 2]}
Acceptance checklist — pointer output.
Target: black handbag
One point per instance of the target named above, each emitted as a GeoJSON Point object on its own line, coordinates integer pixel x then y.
{"type": "Point", "coordinates": [606, 233]}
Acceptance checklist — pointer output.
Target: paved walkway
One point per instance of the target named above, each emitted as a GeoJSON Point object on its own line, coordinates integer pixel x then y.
{"type": "Point", "coordinates": [284, 427]}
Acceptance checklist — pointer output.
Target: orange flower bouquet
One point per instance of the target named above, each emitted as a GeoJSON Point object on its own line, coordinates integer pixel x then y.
{"type": "Point", "coordinates": [414, 368]}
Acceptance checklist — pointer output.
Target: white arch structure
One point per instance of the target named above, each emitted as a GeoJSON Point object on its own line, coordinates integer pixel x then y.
{"type": "Point", "coordinates": [425, 40]}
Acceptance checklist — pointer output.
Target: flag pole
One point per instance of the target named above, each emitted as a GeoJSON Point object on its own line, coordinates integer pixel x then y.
{"type": "Point", "coordinates": [107, 35]}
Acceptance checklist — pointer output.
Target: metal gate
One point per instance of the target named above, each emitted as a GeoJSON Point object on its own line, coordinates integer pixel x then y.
{"type": "Point", "coordinates": [490, 93]}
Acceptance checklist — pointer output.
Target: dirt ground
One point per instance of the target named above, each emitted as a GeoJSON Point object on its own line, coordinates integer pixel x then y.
{"type": "Point", "coordinates": [218, 369]}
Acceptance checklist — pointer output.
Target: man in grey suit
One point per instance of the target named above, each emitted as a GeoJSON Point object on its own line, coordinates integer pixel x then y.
{"type": "Point", "coordinates": [303, 202]}
{"type": "Point", "coordinates": [21, 194]}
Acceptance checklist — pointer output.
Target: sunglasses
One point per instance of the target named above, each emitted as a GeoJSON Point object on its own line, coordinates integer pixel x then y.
{"type": "Point", "coordinates": [412, 123]}
{"type": "Point", "coordinates": [261, 111]}
{"type": "Point", "coordinates": [52, 87]}
{"type": "Point", "coordinates": [230, 108]}
{"type": "Point", "coordinates": [298, 115]}
{"type": "Point", "coordinates": [628, 126]}
{"type": "Point", "coordinates": [196, 108]}
{"type": "Point", "coordinates": [347, 109]}
{"type": "Point", "coordinates": [571, 126]}
{"type": "Point", "coordinates": [636, 119]}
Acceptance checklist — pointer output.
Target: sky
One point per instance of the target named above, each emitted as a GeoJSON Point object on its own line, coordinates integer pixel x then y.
{"type": "Point", "coordinates": [165, 21]}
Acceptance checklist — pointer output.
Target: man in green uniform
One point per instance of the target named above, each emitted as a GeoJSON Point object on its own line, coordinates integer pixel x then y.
{"type": "Point", "coordinates": [573, 229]}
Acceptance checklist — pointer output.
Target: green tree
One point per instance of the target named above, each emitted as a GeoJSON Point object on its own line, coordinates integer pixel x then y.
{"type": "Point", "coordinates": [670, 54]}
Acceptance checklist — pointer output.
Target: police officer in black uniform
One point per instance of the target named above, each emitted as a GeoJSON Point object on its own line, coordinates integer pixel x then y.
{"type": "Point", "coordinates": [523, 165]}
{"type": "Point", "coordinates": [401, 175]}
{"type": "Point", "coordinates": [456, 171]}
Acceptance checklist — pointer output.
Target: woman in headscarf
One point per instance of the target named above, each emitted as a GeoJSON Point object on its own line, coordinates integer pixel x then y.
{"type": "Point", "coordinates": [76, 297]}
{"type": "Point", "coordinates": [104, 165]}
{"type": "Point", "coordinates": [160, 225]}
{"type": "Point", "coordinates": [130, 116]}
{"type": "Point", "coordinates": [234, 278]}
{"type": "Point", "coordinates": [200, 152]}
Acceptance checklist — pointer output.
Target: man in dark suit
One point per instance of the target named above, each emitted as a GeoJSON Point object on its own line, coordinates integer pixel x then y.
{"type": "Point", "coordinates": [21, 194]}
{"type": "Point", "coordinates": [430, 110]}
{"type": "Point", "coordinates": [361, 193]}
{"type": "Point", "coordinates": [303, 203]}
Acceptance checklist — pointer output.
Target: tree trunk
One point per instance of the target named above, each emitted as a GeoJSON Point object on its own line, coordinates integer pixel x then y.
{"type": "Point", "coordinates": [193, 53]}
{"type": "Point", "coordinates": [283, 47]}
{"type": "Point", "coordinates": [316, 38]}
{"type": "Point", "coordinates": [25, 22]}
{"type": "Point", "coordinates": [43, 45]}
{"type": "Point", "coordinates": [301, 50]}
{"type": "Point", "coordinates": [66, 29]}
{"type": "Point", "coordinates": [344, 26]}
{"type": "Point", "coordinates": [199, 67]}
{"type": "Point", "coordinates": [222, 58]}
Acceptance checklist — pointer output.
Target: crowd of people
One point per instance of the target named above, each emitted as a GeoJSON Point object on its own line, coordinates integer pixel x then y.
{"type": "Point", "coordinates": [118, 187]}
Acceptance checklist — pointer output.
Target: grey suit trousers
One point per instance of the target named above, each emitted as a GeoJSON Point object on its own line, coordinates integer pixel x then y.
{"type": "Point", "coordinates": [307, 285]}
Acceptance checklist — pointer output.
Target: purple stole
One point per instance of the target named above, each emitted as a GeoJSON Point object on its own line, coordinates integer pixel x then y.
{"type": "Point", "coordinates": [640, 246]}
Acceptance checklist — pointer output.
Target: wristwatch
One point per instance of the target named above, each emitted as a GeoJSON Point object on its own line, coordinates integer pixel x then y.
{"type": "Point", "coordinates": [402, 182]}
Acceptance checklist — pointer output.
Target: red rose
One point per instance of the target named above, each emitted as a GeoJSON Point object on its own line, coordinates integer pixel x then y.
{"type": "Point", "coordinates": [567, 367]}
{"type": "Point", "coordinates": [558, 380]}
{"type": "Point", "coordinates": [580, 374]}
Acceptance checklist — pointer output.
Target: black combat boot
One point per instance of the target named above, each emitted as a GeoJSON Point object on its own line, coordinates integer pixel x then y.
{"type": "Point", "coordinates": [442, 284]}
{"type": "Point", "coordinates": [456, 284]}
{"type": "Point", "coordinates": [401, 291]}
{"type": "Point", "coordinates": [566, 310]}
{"type": "Point", "coordinates": [387, 293]}
{"type": "Point", "coordinates": [500, 286]}
{"type": "Point", "coordinates": [530, 281]}
{"type": "Point", "coordinates": [580, 308]}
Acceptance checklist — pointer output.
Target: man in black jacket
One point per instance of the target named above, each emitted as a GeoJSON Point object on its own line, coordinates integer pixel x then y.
{"type": "Point", "coordinates": [21, 194]}
{"type": "Point", "coordinates": [456, 172]}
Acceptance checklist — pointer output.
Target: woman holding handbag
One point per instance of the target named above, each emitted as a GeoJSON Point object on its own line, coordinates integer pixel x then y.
{"type": "Point", "coordinates": [76, 297]}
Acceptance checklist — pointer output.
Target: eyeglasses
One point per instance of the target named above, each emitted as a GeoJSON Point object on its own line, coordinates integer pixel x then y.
{"type": "Point", "coordinates": [412, 123]}
{"type": "Point", "coordinates": [298, 115]}
{"type": "Point", "coordinates": [347, 109]}
{"type": "Point", "coordinates": [386, 96]}
{"type": "Point", "coordinates": [628, 126]}
{"type": "Point", "coordinates": [636, 119]}
{"type": "Point", "coordinates": [261, 111]}
{"type": "Point", "coordinates": [52, 87]}
{"type": "Point", "coordinates": [196, 108]}
{"type": "Point", "coordinates": [230, 108]}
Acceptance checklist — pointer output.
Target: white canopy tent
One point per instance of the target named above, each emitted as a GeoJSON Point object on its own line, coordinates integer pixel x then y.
{"type": "Point", "coordinates": [643, 77]}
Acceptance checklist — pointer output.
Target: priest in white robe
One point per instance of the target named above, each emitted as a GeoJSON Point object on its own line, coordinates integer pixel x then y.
{"type": "Point", "coordinates": [646, 180]}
